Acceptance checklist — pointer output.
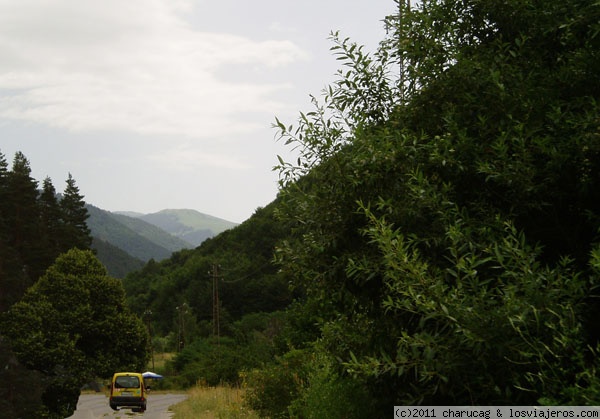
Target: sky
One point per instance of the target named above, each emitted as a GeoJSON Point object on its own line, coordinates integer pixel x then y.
{"type": "Point", "coordinates": [155, 104]}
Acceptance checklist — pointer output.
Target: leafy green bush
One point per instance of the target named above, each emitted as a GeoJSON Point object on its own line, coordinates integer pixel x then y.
{"type": "Point", "coordinates": [328, 394]}
{"type": "Point", "coordinates": [216, 360]}
{"type": "Point", "coordinates": [211, 361]}
{"type": "Point", "coordinates": [271, 389]}
{"type": "Point", "coordinates": [334, 397]}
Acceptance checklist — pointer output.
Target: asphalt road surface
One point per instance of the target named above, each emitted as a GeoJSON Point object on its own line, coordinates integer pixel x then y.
{"type": "Point", "coordinates": [95, 406]}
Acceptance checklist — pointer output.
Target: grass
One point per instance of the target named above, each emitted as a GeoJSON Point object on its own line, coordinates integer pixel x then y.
{"type": "Point", "coordinates": [221, 402]}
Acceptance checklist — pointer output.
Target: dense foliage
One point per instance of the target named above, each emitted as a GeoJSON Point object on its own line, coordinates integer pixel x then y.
{"type": "Point", "coordinates": [446, 230]}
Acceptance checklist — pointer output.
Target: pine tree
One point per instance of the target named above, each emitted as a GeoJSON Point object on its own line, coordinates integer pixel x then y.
{"type": "Point", "coordinates": [50, 222]}
{"type": "Point", "coordinates": [5, 250]}
{"type": "Point", "coordinates": [3, 201]}
{"type": "Point", "coordinates": [22, 222]}
{"type": "Point", "coordinates": [74, 215]}
{"type": "Point", "coordinates": [3, 182]}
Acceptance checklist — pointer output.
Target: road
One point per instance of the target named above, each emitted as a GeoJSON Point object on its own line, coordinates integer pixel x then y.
{"type": "Point", "coordinates": [95, 406]}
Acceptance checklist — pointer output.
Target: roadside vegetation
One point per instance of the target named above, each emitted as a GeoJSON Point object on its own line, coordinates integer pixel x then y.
{"type": "Point", "coordinates": [223, 402]}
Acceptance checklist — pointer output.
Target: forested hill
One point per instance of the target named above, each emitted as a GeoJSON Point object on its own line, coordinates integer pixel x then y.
{"type": "Point", "coordinates": [124, 240]}
{"type": "Point", "coordinates": [138, 238]}
{"type": "Point", "coordinates": [186, 224]}
{"type": "Point", "coordinates": [243, 260]}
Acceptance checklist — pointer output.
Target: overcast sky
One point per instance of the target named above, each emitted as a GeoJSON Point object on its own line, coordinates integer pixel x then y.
{"type": "Point", "coordinates": [154, 104]}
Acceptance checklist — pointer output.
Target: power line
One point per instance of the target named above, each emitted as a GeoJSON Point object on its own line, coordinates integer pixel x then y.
{"type": "Point", "coordinates": [256, 271]}
{"type": "Point", "coordinates": [215, 295]}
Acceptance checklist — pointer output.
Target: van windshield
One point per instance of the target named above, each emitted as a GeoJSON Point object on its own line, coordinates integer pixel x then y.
{"type": "Point", "coordinates": [127, 382]}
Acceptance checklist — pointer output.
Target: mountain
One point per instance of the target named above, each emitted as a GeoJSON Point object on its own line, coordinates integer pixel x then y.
{"type": "Point", "coordinates": [131, 214]}
{"type": "Point", "coordinates": [153, 233]}
{"type": "Point", "coordinates": [125, 240]}
{"type": "Point", "coordinates": [190, 225]}
{"type": "Point", "coordinates": [118, 262]}
{"type": "Point", "coordinates": [136, 237]}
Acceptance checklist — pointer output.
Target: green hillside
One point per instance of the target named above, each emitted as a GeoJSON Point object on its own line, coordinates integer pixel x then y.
{"type": "Point", "coordinates": [152, 232]}
{"type": "Point", "coordinates": [148, 236]}
{"type": "Point", "coordinates": [189, 225]}
{"type": "Point", "coordinates": [141, 240]}
{"type": "Point", "coordinates": [248, 280]}
{"type": "Point", "coordinates": [118, 262]}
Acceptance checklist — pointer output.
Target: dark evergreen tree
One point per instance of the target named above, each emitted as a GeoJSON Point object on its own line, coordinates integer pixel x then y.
{"type": "Point", "coordinates": [75, 232]}
{"type": "Point", "coordinates": [50, 222]}
{"type": "Point", "coordinates": [21, 218]}
{"type": "Point", "coordinates": [6, 253]}
{"type": "Point", "coordinates": [20, 389]}
{"type": "Point", "coordinates": [3, 206]}
{"type": "Point", "coordinates": [3, 182]}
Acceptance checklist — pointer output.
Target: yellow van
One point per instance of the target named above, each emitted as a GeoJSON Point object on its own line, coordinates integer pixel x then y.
{"type": "Point", "coordinates": [127, 391]}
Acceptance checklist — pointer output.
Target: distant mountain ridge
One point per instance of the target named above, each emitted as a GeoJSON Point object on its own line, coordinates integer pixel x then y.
{"type": "Point", "coordinates": [125, 240]}
{"type": "Point", "coordinates": [190, 225]}
{"type": "Point", "coordinates": [141, 240]}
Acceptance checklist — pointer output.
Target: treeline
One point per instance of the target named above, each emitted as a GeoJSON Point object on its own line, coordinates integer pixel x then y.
{"type": "Point", "coordinates": [439, 230]}
{"type": "Point", "coordinates": [35, 226]}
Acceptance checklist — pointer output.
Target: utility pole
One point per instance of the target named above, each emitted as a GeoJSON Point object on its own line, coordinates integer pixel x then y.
{"type": "Point", "coordinates": [182, 310]}
{"type": "Point", "coordinates": [148, 314]}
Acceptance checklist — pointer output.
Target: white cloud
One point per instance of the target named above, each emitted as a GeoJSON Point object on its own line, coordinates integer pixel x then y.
{"type": "Point", "coordinates": [131, 66]}
{"type": "Point", "coordinates": [184, 158]}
